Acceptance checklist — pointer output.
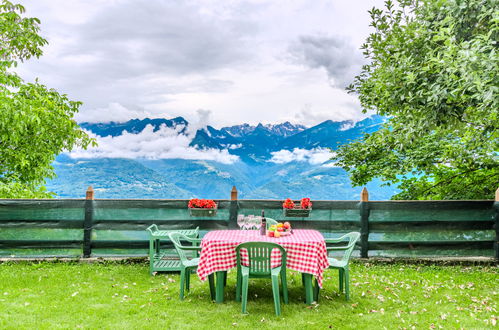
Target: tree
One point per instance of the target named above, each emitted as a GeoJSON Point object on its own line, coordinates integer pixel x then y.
{"type": "Point", "coordinates": [433, 73]}
{"type": "Point", "coordinates": [36, 123]}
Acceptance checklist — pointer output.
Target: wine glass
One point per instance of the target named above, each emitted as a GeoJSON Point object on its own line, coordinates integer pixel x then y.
{"type": "Point", "coordinates": [240, 221]}
{"type": "Point", "coordinates": [249, 222]}
{"type": "Point", "coordinates": [257, 222]}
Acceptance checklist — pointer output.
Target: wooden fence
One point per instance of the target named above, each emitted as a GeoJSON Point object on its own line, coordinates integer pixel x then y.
{"type": "Point", "coordinates": [105, 227]}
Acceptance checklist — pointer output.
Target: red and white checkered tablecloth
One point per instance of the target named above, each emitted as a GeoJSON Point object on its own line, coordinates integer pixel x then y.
{"type": "Point", "coordinates": [306, 251]}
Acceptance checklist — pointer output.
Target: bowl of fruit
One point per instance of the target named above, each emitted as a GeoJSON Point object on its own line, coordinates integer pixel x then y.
{"type": "Point", "coordinates": [279, 229]}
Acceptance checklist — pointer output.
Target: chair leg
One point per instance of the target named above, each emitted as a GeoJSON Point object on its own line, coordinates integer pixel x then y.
{"type": "Point", "coordinates": [316, 291]}
{"type": "Point", "coordinates": [182, 283]}
{"type": "Point", "coordinates": [188, 279]}
{"type": "Point", "coordinates": [347, 284]}
{"type": "Point", "coordinates": [244, 290]}
{"type": "Point", "coordinates": [211, 280]}
{"type": "Point", "coordinates": [275, 291]}
{"type": "Point", "coordinates": [284, 285]}
{"type": "Point", "coordinates": [238, 286]}
{"type": "Point", "coordinates": [341, 276]}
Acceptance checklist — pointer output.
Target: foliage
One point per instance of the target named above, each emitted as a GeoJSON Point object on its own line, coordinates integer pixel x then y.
{"type": "Point", "coordinates": [36, 123]}
{"type": "Point", "coordinates": [433, 74]}
{"type": "Point", "coordinates": [53, 295]}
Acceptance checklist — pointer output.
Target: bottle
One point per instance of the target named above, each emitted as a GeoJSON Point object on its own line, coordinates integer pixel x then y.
{"type": "Point", "coordinates": [263, 228]}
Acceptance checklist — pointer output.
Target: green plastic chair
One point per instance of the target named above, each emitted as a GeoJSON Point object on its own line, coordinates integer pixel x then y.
{"type": "Point", "coordinates": [188, 264]}
{"type": "Point", "coordinates": [259, 267]}
{"type": "Point", "coordinates": [341, 264]}
{"type": "Point", "coordinates": [158, 259]}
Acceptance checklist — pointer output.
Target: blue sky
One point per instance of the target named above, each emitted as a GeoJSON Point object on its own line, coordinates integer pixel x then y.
{"type": "Point", "coordinates": [215, 62]}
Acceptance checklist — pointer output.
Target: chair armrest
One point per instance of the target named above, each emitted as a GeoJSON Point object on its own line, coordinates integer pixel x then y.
{"type": "Point", "coordinates": [191, 248]}
{"type": "Point", "coordinates": [192, 240]}
{"type": "Point", "coordinates": [337, 248]}
{"type": "Point", "coordinates": [335, 240]}
{"type": "Point", "coordinates": [195, 244]}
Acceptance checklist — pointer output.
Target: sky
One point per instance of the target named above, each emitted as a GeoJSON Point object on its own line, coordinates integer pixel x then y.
{"type": "Point", "coordinates": [210, 61]}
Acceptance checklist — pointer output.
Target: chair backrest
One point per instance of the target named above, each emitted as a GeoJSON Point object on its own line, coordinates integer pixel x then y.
{"type": "Point", "coordinates": [259, 256]}
{"type": "Point", "coordinates": [152, 228]}
{"type": "Point", "coordinates": [353, 237]}
{"type": "Point", "coordinates": [270, 222]}
{"type": "Point", "coordinates": [176, 238]}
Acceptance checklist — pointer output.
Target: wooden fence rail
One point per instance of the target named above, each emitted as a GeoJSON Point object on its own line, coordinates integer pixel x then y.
{"type": "Point", "coordinates": [100, 227]}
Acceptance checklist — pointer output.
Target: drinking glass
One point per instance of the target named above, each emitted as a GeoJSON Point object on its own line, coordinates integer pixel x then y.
{"type": "Point", "coordinates": [249, 222]}
{"type": "Point", "coordinates": [240, 221]}
{"type": "Point", "coordinates": [257, 222]}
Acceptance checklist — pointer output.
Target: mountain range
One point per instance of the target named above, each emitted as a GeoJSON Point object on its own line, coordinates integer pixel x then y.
{"type": "Point", "coordinates": [265, 162]}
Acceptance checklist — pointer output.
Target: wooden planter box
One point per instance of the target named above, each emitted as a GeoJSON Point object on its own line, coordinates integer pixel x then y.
{"type": "Point", "coordinates": [297, 212]}
{"type": "Point", "coordinates": [200, 212]}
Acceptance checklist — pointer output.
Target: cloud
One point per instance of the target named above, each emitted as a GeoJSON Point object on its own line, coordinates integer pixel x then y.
{"type": "Point", "coordinates": [166, 143]}
{"type": "Point", "coordinates": [176, 57]}
{"type": "Point", "coordinates": [137, 53]}
{"type": "Point", "coordinates": [313, 156]}
{"type": "Point", "coordinates": [113, 112]}
{"type": "Point", "coordinates": [346, 109]}
{"type": "Point", "coordinates": [341, 60]}
{"type": "Point", "coordinates": [199, 122]}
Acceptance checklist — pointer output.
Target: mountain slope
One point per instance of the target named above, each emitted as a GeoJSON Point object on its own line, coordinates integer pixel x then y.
{"type": "Point", "coordinates": [111, 178]}
{"type": "Point", "coordinates": [258, 172]}
{"type": "Point", "coordinates": [132, 126]}
{"type": "Point", "coordinates": [330, 134]}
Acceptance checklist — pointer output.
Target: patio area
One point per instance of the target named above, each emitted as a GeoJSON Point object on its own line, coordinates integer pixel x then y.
{"type": "Point", "coordinates": [124, 295]}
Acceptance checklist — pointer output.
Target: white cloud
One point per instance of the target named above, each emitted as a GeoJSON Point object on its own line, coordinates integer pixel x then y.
{"type": "Point", "coordinates": [336, 54]}
{"type": "Point", "coordinates": [112, 112]}
{"type": "Point", "coordinates": [329, 165]}
{"type": "Point", "coordinates": [166, 143]}
{"type": "Point", "coordinates": [313, 156]}
{"type": "Point", "coordinates": [199, 122]}
{"type": "Point", "coordinates": [174, 57]}
{"type": "Point", "coordinates": [346, 126]}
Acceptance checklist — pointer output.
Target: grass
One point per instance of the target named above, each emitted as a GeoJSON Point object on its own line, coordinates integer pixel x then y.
{"type": "Point", "coordinates": [115, 295]}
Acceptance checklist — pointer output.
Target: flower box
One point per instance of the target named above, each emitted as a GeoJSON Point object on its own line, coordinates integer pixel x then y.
{"type": "Point", "coordinates": [297, 212]}
{"type": "Point", "coordinates": [202, 207]}
{"type": "Point", "coordinates": [290, 209]}
{"type": "Point", "coordinates": [202, 212]}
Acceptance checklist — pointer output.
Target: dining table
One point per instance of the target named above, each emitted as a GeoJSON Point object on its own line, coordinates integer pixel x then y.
{"type": "Point", "coordinates": [305, 249]}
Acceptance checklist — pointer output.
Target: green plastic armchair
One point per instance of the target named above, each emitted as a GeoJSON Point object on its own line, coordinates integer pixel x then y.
{"type": "Point", "coordinates": [259, 266]}
{"type": "Point", "coordinates": [188, 264]}
{"type": "Point", "coordinates": [341, 264]}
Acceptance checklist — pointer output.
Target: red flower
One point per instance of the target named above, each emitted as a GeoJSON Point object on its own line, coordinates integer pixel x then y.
{"type": "Point", "coordinates": [306, 203]}
{"type": "Point", "coordinates": [201, 203]}
{"type": "Point", "coordinates": [288, 204]}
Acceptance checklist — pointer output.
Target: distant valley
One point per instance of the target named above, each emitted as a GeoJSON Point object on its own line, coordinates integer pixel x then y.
{"type": "Point", "coordinates": [166, 158]}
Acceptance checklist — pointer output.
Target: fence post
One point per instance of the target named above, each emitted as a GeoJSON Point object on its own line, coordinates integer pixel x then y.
{"type": "Point", "coordinates": [364, 223]}
{"type": "Point", "coordinates": [87, 224]}
{"type": "Point", "coordinates": [234, 209]}
{"type": "Point", "coordinates": [496, 224]}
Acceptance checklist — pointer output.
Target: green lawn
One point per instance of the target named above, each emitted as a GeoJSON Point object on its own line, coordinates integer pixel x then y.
{"type": "Point", "coordinates": [116, 295]}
